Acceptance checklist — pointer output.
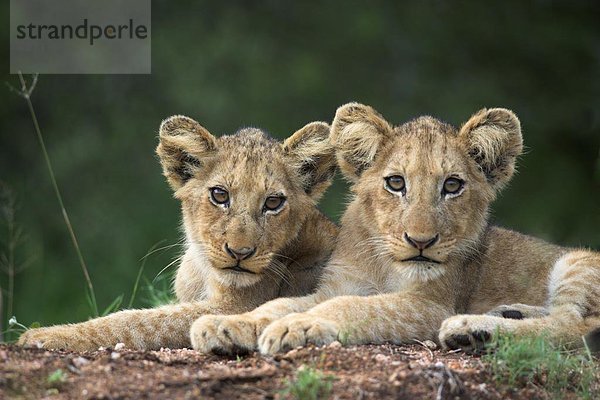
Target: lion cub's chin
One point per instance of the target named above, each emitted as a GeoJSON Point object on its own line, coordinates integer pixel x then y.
{"type": "Point", "coordinates": [419, 270]}
{"type": "Point", "coordinates": [236, 279]}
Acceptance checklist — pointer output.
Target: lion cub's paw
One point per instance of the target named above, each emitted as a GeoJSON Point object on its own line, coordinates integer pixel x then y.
{"type": "Point", "coordinates": [225, 334]}
{"type": "Point", "coordinates": [55, 337]}
{"type": "Point", "coordinates": [469, 333]}
{"type": "Point", "coordinates": [297, 330]}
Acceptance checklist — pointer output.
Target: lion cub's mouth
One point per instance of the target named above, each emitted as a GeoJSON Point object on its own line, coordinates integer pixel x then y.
{"type": "Point", "coordinates": [421, 258]}
{"type": "Point", "coordinates": [238, 268]}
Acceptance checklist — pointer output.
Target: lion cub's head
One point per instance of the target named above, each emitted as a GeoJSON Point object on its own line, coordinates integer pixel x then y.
{"type": "Point", "coordinates": [244, 197]}
{"type": "Point", "coordinates": [424, 187]}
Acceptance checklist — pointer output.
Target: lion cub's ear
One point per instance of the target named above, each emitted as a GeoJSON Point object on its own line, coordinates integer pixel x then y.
{"type": "Point", "coordinates": [494, 141]}
{"type": "Point", "coordinates": [357, 133]}
{"type": "Point", "coordinates": [311, 154]}
{"type": "Point", "coordinates": [184, 145]}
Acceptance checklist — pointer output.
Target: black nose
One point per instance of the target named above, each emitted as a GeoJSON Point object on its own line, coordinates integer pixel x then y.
{"type": "Point", "coordinates": [421, 244]}
{"type": "Point", "coordinates": [241, 253]}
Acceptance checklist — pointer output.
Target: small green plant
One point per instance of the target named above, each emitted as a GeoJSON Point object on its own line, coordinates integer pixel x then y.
{"type": "Point", "coordinates": [141, 271]}
{"type": "Point", "coordinates": [517, 360]}
{"type": "Point", "coordinates": [57, 377]}
{"type": "Point", "coordinates": [159, 294]}
{"type": "Point", "coordinates": [158, 291]}
{"type": "Point", "coordinates": [344, 336]}
{"type": "Point", "coordinates": [309, 384]}
{"type": "Point", "coordinates": [351, 330]}
{"type": "Point", "coordinates": [115, 305]}
{"type": "Point", "coordinates": [11, 256]}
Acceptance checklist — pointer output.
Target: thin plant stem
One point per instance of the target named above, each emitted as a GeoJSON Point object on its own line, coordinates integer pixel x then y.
{"type": "Point", "coordinates": [140, 271]}
{"type": "Point", "coordinates": [26, 92]}
{"type": "Point", "coordinates": [11, 262]}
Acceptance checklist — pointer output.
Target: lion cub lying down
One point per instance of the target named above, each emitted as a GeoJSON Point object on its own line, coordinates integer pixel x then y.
{"type": "Point", "coordinates": [415, 249]}
{"type": "Point", "coordinates": [253, 232]}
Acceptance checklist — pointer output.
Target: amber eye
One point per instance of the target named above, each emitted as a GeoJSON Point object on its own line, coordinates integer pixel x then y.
{"type": "Point", "coordinates": [274, 203]}
{"type": "Point", "coordinates": [395, 183]}
{"type": "Point", "coordinates": [219, 196]}
{"type": "Point", "coordinates": [452, 186]}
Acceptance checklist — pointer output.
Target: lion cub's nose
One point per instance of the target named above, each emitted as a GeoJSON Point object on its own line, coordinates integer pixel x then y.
{"type": "Point", "coordinates": [240, 254]}
{"type": "Point", "coordinates": [419, 243]}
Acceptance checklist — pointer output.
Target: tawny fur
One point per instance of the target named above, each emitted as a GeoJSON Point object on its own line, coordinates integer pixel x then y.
{"type": "Point", "coordinates": [480, 268]}
{"type": "Point", "coordinates": [291, 246]}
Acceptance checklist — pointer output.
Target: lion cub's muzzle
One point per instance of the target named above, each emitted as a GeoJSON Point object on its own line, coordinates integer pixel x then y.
{"type": "Point", "coordinates": [421, 243]}
{"type": "Point", "coordinates": [238, 255]}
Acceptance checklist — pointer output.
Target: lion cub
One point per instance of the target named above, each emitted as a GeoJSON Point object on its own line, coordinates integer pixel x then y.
{"type": "Point", "coordinates": [416, 249]}
{"type": "Point", "coordinates": [252, 229]}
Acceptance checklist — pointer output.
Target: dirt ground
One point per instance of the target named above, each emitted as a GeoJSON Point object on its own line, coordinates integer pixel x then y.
{"type": "Point", "coordinates": [359, 372]}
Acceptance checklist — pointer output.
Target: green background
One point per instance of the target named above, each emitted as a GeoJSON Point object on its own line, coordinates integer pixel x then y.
{"type": "Point", "coordinates": [278, 65]}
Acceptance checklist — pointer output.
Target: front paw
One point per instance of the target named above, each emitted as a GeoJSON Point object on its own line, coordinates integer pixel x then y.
{"type": "Point", "coordinates": [297, 330]}
{"type": "Point", "coordinates": [55, 337]}
{"type": "Point", "coordinates": [225, 334]}
{"type": "Point", "coordinates": [469, 333]}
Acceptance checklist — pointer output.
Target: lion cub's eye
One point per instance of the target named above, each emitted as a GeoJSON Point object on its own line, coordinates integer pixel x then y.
{"type": "Point", "coordinates": [395, 183]}
{"type": "Point", "coordinates": [274, 203]}
{"type": "Point", "coordinates": [219, 196]}
{"type": "Point", "coordinates": [452, 186]}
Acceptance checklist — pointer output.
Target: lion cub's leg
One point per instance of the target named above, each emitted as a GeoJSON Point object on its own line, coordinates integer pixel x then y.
{"type": "Point", "coordinates": [574, 309]}
{"type": "Point", "coordinates": [166, 326]}
{"type": "Point", "coordinates": [518, 311]}
{"type": "Point", "coordinates": [391, 317]}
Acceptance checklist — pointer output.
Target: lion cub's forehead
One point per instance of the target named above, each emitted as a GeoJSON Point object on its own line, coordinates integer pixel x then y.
{"type": "Point", "coordinates": [250, 142]}
{"type": "Point", "coordinates": [426, 144]}
{"type": "Point", "coordinates": [252, 159]}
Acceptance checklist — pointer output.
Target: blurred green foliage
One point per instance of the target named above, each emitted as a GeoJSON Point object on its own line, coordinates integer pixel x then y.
{"type": "Point", "coordinates": [279, 65]}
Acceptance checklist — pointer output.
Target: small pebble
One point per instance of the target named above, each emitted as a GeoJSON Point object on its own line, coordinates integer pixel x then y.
{"type": "Point", "coordinates": [115, 356]}
{"type": "Point", "coordinates": [381, 358]}
{"type": "Point", "coordinates": [400, 375]}
{"type": "Point", "coordinates": [335, 345]}
{"type": "Point", "coordinates": [119, 346]}
{"type": "Point", "coordinates": [430, 344]}
{"type": "Point", "coordinates": [439, 364]}
{"type": "Point", "coordinates": [80, 361]}
{"type": "Point", "coordinates": [291, 353]}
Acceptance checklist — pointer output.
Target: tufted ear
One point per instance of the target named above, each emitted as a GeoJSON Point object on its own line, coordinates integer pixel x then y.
{"type": "Point", "coordinates": [494, 141]}
{"type": "Point", "coordinates": [184, 146]}
{"type": "Point", "coordinates": [312, 155]}
{"type": "Point", "coordinates": [357, 133]}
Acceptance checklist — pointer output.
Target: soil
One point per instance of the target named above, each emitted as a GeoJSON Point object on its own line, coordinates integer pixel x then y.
{"type": "Point", "coordinates": [359, 372]}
